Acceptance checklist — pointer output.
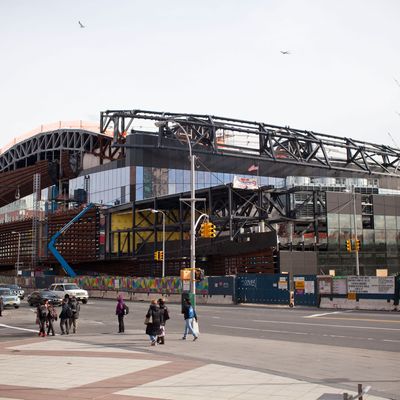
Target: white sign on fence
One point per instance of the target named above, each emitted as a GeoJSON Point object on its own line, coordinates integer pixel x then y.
{"type": "Point", "coordinates": [371, 284]}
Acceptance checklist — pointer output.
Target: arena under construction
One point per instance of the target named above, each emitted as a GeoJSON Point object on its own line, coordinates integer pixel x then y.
{"type": "Point", "coordinates": [282, 199]}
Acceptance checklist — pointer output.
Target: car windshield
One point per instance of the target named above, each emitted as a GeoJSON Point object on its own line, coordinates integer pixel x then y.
{"type": "Point", "coordinates": [5, 292]}
{"type": "Point", "coordinates": [71, 287]}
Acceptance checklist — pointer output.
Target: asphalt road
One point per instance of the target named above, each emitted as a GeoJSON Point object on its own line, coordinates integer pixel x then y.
{"type": "Point", "coordinates": [355, 329]}
{"type": "Point", "coordinates": [332, 347]}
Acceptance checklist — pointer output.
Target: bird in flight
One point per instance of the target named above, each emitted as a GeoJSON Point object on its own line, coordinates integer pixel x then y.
{"type": "Point", "coordinates": [285, 52]}
{"type": "Point", "coordinates": [81, 25]}
{"type": "Point", "coordinates": [398, 83]}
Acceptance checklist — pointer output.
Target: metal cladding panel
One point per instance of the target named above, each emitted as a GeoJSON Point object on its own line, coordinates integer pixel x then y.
{"type": "Point", "coordinates": [221, 285]}
{"type": "Point", "coordinates": [264, 289]}
{"type": "Point", "coordinates": [305, 290]}
{"type": "Point", "coordinates": [379, 205]}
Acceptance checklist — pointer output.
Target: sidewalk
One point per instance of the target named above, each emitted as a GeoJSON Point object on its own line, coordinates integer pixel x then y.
{"type": "Point", "coordinates": [63, 367]}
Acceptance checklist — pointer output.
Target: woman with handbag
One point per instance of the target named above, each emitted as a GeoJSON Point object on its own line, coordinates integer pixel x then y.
{"type": "Point", "coordinates": [165, 316]}
{"type": "Point", "coordinates": [153, 322]}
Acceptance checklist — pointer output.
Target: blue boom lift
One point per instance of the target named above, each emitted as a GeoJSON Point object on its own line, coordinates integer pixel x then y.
{"type": "Point", "coordinates": [51, 246]}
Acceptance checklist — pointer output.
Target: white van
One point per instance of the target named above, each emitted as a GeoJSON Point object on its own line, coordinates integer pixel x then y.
{"type": "Point", "coordinates": [71, 289]}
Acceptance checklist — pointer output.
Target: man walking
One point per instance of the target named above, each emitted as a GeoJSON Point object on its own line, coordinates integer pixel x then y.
{"type": "Point", "coordinates": [75, 308]}
{"type": "Point", "coordinates": [189, 314]}
{"type": "Point", "coordinates": [65, 315]}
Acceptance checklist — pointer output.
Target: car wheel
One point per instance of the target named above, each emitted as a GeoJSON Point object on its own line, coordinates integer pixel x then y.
{"type": "Point", "coordinates": [84, 301]}
{"type": "Point", "coordinates": [16, 306]}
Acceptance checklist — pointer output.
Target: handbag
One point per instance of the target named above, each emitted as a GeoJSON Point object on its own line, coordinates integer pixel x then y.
{"type": "Point", "coordinates": [148, 320]}
{"type": "Point", "coordinates": [196, 328]}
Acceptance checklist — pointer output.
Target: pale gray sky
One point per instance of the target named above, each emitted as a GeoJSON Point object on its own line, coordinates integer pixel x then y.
{"type": "Point", "coordinates": [214, 57]}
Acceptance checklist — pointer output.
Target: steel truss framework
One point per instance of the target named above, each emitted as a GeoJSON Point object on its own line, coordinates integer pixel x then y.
{"type": "Point", "coordinates": [49, 145]}
{"type": "Point", "coordinates": [233, 211]}
{"type": "Point", "coordinates": [270, 142]}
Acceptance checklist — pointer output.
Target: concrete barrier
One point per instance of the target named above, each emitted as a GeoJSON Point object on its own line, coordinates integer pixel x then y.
{"type": "Point", "coordinates": [361, 304]}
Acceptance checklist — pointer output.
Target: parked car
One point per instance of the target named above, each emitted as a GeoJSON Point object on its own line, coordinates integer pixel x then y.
{"type": "Point", "coordinates": [72, 289]}
{"type": "Point", "coordinates": [9, 298]}
{"type": "Point", "coordinates": [16, 289]}
{"type": "Point", "coordinates": [39, 296]}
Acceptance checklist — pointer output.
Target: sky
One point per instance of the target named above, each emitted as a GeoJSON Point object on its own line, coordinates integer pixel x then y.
{"type": "Point", "coordinates": [223, 58]}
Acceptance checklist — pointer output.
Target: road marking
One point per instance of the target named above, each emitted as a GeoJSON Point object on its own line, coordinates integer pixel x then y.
{"type": "Point", "coordinates": [261, 330]}
{"type": "Point", "coordinates": [320, 315]}
{"type": "Point", "coordinates": [389, 340]}
{"type": "Point", "coordinates": [363, 319]}
{"type": "Point", "coordinates": [327, 325]}
{"type": "Point", "coordinates": [18, 329]}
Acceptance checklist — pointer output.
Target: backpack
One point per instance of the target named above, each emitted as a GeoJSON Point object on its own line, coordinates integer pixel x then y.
{"type": "Point", "coordinates": [53, 313]}
{"type": "Point", "coordinates": [68, 311]}
{"type": "Point", "coordinates": [126, 309]}
{"type": "Point", "coordinates": [42, 312]}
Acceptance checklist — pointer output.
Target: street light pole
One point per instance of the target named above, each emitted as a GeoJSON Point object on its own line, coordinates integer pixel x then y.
{"type": "Point", "coordinates": [18, 252]}
{"type": "Point", "coordinates": [355, 231]}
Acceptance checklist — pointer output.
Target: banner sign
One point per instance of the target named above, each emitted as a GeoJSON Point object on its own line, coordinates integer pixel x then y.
{"type": "Point", "coordinates": [245, 183]}
{"type": "Point", "coordinates": [371, 284]}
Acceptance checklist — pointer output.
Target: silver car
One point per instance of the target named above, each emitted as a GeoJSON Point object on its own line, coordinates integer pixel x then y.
{"type": "Point", "coordinates": [16, 289]}
{"type": "Point", "coordinates": [9, 298]}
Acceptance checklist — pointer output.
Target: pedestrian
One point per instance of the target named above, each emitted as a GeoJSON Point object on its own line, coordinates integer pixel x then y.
{"type": "Point", "coordinates": [165, 316]}
{"type": "Point", "coordinates": [189, 314]}
{"type": "Point", "coordinates": [120, 312]}
{"type": "Point", "coordinates": [1, 305]}
{"type": "Point", "coordinates": [65, 315]}
{"type": "Point", "coordinates": [153, 322]}
{"type": "Point", "coordinates": [51, 317]}
{"type": "Point", "coordinates": [75, 309]}
{"type": "Point", "coordinates": [41, 317]}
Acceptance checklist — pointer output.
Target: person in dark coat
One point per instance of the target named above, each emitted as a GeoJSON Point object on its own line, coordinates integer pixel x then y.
{"type": "Point", "coordinates": [75, 308]}
{"type": "Point", "coordinates": [155, 320]}
{"type": "Point", "coordinates": [120, 312]}
{"type": "Point", "coordinates": [65, 315]}
{"type": "Point", "coordinates": [51, 317]}
{"type": "Point", "coordinates": [165, 316]}
{"type": "Point", "coordinates": [41, 316]}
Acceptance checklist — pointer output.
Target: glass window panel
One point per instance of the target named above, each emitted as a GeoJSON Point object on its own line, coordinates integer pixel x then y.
{"type": "Point", "coordinates": [139, 192]}
{"type": "Point", "coordinates": [333, 220]}
{"type": "Point", "coordinates": [379, 221]}
{"type": "Point", "coordinates": [390, 222]}
{"type": "Point", "coordinates": [380, 239]}
{"type": "Point", "coordinates": [186, 176]}
{"type": "Point", "coordinates": [179, 187]}
{"type": "Point", "coordinates": [139, 175]}
{"type": "Point", "coordinates": [171, 188]}
{"type": "Point", "coordinates": [345, 221]}
{"type": "Point", "coordinates": [333, 239]}
{"type": "Point", "coordinates": [214, 179]}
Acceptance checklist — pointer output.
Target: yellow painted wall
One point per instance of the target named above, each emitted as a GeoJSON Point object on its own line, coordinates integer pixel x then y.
{"type": "Point", "coordinates": [123, 221]}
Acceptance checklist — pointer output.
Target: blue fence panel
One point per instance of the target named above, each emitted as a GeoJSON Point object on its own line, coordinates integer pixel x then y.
{"type": "Point", "coordinates": [305, 290]}
{"type": "Point", "coordinates": [264, 289]}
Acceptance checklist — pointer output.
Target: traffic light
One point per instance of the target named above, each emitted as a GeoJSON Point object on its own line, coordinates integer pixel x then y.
{"type": "Point", "coordinates": [204, 229]}
{"type": "Point", "coordinates": [161, 255]}
{"type": "Point", "coordinates": [211, 230]}
{"type": "Point", "coordinates": [357, 245]}
{"type": "Point", "coordinates": [156, 255]}
{"type": "Point", "coordinates": [348, 245]}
